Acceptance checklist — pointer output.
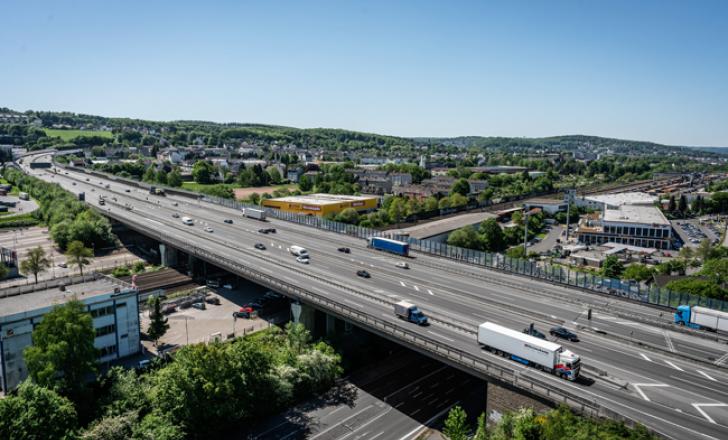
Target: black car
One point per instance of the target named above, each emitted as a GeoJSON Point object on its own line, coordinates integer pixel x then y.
{"type": "Point", "coordinates": [345, 250]}
{"type": "Point", "coordinates": [561, 332]}
{"type": "Point", "coordinates": [363, 273]}
{"type": "Point", "coordinates": [260, 246]}
{"type": "Point", "coordinates": [534, 332]}
{"type": "Point", "coordinates": [127, 190]}
{"type": "Point", "coordinates": [228, 221]}
{"type": "Point", "coordinates": [254, 306]}
{"type": "Point", "coordinates": [267, 231]}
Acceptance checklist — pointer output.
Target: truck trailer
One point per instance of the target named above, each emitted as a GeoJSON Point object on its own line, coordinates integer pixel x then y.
{"type": "Point", "coordinates": [701, 318]}
{"type": "Point", "coordinates": [299, 251]}
{"type": "Point", "coordinates": [257, 214]}
{"type": "Point", "coordinates": [389, 245]}
{"type": "Point", "coordinates": [529, 350]}
{"type": "Point", "coordinates": [410, 312]}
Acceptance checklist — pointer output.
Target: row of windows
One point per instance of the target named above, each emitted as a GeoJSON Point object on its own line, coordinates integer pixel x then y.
{"type": "Point", "coordinates": [641, 242]}
{"type": "Point", "coordinates": [108, 310]}
{"type": "Point", "coordinates": [105, 330]}
{"type": "Point", "coordinates": [637, 231]}
{"type": "Point", "coordinates": [103, 311]}
{"type": "Point", "coordinates": [108, 350]}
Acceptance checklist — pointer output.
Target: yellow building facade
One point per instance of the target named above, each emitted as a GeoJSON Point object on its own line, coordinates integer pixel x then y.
{"type": "Point", "coordinates": [322, 204]}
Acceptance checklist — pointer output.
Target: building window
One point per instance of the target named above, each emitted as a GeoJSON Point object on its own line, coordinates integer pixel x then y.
{"type": "Point", "coordinates": [108, 350]}
{"type": "Point", "coordinates": [120, 305]}
{"type": "Point", "coordinates": [105, 330]}
{"type": "Point", "coordinates": [103, 311]}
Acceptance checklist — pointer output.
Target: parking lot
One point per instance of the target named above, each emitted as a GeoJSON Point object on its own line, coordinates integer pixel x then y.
{"type": "Point", "coordinates": [694, 231]}
{"type": "Point", "coordinates": [194, 325]}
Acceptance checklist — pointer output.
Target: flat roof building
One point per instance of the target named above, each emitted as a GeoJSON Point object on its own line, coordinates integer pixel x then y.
{"type": "Point", "coordinates": [634, 225]}
{"type": "Point", "coordinates": [322, 204]}
{"type": "Point", "coordinates": [599, 201]}
{"type": "Point", "coordinates": [113, 305]}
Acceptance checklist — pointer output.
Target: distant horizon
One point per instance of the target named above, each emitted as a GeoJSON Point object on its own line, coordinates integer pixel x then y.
{"type": "Point", "coordinates": [362, 131]}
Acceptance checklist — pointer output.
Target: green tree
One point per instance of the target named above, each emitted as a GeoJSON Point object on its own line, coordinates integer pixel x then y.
{"type": "Point", "coordinates": [397, 210]}
{"type": "Point", "coordinates": [682, 204]}
{"type": "Point", "coordinates": [481, 432]}
{"type": "Point", "coordinates": [456, 425]}
{"type": "Point", "coordinates": [36, 413]}
{"type": "Point", "coordinates": [297, 337]}
{"type": "Point", "coordinates": [638, 272]}
{"type": "Point", "coordinates": [716, 269]}
{"type": "Point", "coordinates": [158, 322]}
{"type": "Point", "coordinates": [78, 254]}
{"type": "Point", "coordinates": [155, 426]}
{"type": "Point", "coordinates": [458, 199]}
{"type": "Point", "coordinates": [430, 204]}
{"type": "Point", "coordinates": [112, 427]}
{"type": "Point", "coordinates": [516, 252]}
{"type": "Point", "coordinates": [254, 198]}
{"type": "Point", "coordinates": [461, 186]}
{"type": "Point", "coordinates": [305, 184]}
{"type": "Point", "coordinates": [150, 175]}
{"type": "Point", "coordinates": [612, 267]}
{"type": "Point", "coordinates": [348, 215]}
{"type": "Point", "coordinates": [202, 171]}
{"type": "Point", "coordinates": [63, 353]}
{"type": "Point", "coordinates": [465, 237]}
{"type": "Point", "coordinates": [493, 238]}
{"type": "Point", "coordinates": [35, 262]}
{"type": "Point", "coordinates": [274, 175]}
{"type": "Point", "coordinates": [3, 270]}
{"type": "Point", "coordinates": [672, 205]}
{"type": "Point", "coordinates": [174, 179]}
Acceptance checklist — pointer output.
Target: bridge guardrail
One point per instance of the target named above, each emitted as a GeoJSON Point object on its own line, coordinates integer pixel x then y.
{"type": "Point", "coordinates": [483, 367]}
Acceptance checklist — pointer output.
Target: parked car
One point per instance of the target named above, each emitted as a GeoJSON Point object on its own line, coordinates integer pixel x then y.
{"type": "Point", "coordinates": [228, 221]}
{"type": "Point", "coordinates": [254, 306]}
{"type": "Point", "coordinates": [199, 305]}
{"type": "Point", "coordinates": [345, 250]}
{"type": "Point", "coordinates": [534, 332]}
{"type": "Point", "coordinates": [213, 300]}
{"type": "Point", "coordinates": [243, 313]}
{"type": "Point", "coordinates": [260, 246]}
{"type": "Point", "coordinates": [63, 265]}
{"type": "Point", "coordinates": [169, 308]}
{"type": "Point", "coordinates": [363, 274]}
{"type": "Point", "coordinates": [561, 332]}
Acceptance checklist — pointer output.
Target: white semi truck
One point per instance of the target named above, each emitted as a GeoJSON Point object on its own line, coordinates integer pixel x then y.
{"type": "Point", "coordinates": [702, 318]}
{"type": "Point", "coordinates": [299, 251]}
{"type": "Point", "coordinates": [529, 350]}
{"type": "Point", "coordinates": [257, 214]}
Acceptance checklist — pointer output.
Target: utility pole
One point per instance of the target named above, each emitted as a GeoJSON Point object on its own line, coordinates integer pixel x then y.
{"type": "Point", "coordinates": [568, 217]}
{"type": "Point", "coordinates": [525, 233]}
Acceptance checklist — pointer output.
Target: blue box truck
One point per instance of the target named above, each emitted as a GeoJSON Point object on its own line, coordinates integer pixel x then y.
{"type": "Point", "coordinates": [389, 245]}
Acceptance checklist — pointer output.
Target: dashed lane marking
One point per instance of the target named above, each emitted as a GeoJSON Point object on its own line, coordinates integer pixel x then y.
{"type": "Point", "coordinates": [417, 288]}
{"type": "Point", "coordinates": [645, 357]}
{"type": "Point", "coordinates": [673, 365]}
{"type": "Point", "coordinates": [638, 387]}
{"type": "Point", "coordinates": [430, 292]}
{"type": "Point", "coordinates": [440, 336]}
{"type": "Point", "coordinates": [403, 284]}
{"type": "Point", "coordinates": [670, 345]}
{"type": "Point", "coordinates": [699, 406]}
{"type": "Point", "coordinates": [707, 376]}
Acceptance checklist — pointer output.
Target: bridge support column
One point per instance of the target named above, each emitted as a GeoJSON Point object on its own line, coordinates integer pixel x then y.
{"type": "Point", "coordinates": [168, 255]}
{"type": "Point", "coordinates": [330, 324]}
{"type": "Point", "coordinates": [304, 314]}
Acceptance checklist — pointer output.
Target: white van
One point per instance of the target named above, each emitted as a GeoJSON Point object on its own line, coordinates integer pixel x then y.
{"type": "Point", "coordinates": [187, 221]}
{"type": "Point", "coordinates": [299, 251]}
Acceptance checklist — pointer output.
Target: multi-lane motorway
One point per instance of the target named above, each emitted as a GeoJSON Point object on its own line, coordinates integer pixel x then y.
{"type": "Point", "coordinates": [679, 397]}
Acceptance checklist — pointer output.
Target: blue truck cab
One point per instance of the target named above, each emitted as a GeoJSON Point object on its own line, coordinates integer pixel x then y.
{"type": "Point", "coordinates": [410, 312]}
{"type": "Point", "coordinates": [682, 316]}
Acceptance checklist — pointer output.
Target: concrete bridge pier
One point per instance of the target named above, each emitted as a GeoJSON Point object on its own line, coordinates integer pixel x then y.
{"type": "Point", "coordinates": [305, 315]}
{"type": "Point", "coordinates": [168, 255]}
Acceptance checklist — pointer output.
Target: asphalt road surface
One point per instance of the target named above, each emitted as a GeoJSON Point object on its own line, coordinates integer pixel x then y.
{"type": "Point", "coordinates": [677, 397]}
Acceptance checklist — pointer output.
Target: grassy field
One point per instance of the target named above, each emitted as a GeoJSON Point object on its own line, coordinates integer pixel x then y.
{"type": "Point", "coordinates": [244, 193]}
{"type": "Point", "coordinates": [197, 187]}
{"type": "Point", "coordinates": [70, 134]}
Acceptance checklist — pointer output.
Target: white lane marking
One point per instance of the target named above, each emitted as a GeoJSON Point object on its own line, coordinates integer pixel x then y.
{"type": "Point", "coordinates": [721, 359]}
{"type": "Point", "coordinates": [417, 430]}
{"type": "Point", "coordinates": [367, 423]}
{"type": "Point", "coordinates": [645, 357]}
{"type": "Point", "coordinates": [704, 414]}
{"type": "Point", "coordinates": [430, 292]}
{"type": "Point", "coordinates": [337, 424]}
{"type": "Point", "coordinates": [638, 387]}
{"type": "Point", "coordinates": [707, 376]}
{"type": "Point", "coordinates": [403, 284]}
{"type": "Point", "coordinates": [440, 336]}
{"type": "Point", "coordinates": [673, 365]}
{"type": "Point", "coordinates": [417, 288]}
{"type": "Point", "coordinates": [377, 435]}
{"type": "Point", "coordinates": [669, 342]}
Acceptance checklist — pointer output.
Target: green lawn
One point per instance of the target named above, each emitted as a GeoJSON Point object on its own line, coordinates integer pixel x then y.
{"type": "Point", "coordinates": [70, 134]}
{"type": "Point", "coordinates": [197, 187]}
{"type": "Point", "coordinates": [13, 191]}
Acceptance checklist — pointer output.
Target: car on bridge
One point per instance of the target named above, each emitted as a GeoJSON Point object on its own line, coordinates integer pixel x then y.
{"type": "Point", "coordinates": [363, 274]}
{"type": "Point", "coordinates": [562, 332]}
{"type": "Point", "coordinates": [260, 246]}
{"type": "Point", "coordinates": [533, 332]}
{"type": "Point", "coordinates": [267, 230]}
{"type": "Point", "coordinates": [303, 259]}
{"type": "Point", "coordinates": [208, 229]}
{"type": "Point", "coordinates": [175, 215]}
{"type": "Point", "coordinates": [228, 221]}
{"type": "Point", "coordinates": [345, 250]}
{"type": "Point", "coordinates": [402, 265]}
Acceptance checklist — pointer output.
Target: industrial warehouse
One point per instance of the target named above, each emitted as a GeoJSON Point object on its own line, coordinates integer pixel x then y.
{"type": "Point", "coordinates": [322, 204]}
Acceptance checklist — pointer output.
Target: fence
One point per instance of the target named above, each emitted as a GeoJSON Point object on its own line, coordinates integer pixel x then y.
{"type": "Point", "coordinates": [56, 282]}
{"type": "Point", "coordinates": [552, 273]}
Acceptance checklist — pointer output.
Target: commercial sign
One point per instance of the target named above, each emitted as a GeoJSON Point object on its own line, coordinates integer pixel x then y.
{"type": "Point", "coordinates": [311, 208]}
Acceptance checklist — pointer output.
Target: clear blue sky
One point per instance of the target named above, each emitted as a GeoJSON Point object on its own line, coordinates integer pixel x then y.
{"type": "Point", "coordinates": [648, 70]}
